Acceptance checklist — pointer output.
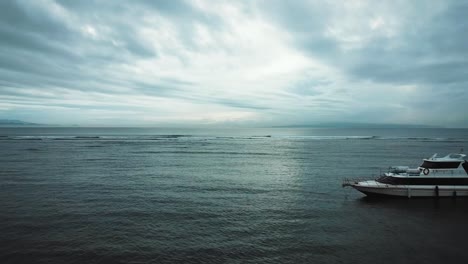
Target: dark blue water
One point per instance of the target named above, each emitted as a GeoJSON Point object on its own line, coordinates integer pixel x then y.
{"type": "Point", "coordinates": [114, 195]}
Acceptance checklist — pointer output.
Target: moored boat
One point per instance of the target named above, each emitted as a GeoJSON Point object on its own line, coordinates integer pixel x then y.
{"type": "Point", "coordinates": [436, 177]}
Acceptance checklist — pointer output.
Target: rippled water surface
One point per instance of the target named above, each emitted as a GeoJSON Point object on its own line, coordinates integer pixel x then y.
{"type": "Point", "coordinates": [87, 195]}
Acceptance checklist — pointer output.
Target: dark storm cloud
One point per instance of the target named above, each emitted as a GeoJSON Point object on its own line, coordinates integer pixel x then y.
{"type": "Point", "coordinates": [27, 32]}
{"type": "Point", "coordinates": [26, 18]}
{"type": "Point", "coordinates": [38, 41]}
{"type": "Point", "coordinates": [45, 43]}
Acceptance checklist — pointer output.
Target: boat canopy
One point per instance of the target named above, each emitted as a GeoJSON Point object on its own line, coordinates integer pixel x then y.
{"type": "Point", "coordinates": [451, 161]}
{"type": "Point", "coordinates": [449, 157]}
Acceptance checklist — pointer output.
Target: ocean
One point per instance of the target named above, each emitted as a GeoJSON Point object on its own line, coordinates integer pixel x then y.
{"type": "Point", "coordinates": [266, 195]}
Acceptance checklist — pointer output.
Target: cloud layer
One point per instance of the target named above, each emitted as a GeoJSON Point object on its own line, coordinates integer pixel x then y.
{"type": "Point", "coordinates": [237, 63]}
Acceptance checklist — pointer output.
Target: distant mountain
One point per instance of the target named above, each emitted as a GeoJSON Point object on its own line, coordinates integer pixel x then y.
{"type": "Point", "coordinates": [356, 125]}
{"type": "Point", "coordinates": [14, 122]}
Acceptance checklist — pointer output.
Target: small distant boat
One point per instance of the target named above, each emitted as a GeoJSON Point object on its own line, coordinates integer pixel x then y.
{"type": "Point", "coordinates": [436, 177]}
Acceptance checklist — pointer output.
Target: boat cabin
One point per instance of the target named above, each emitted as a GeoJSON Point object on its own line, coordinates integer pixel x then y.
{"type": "Point", "coordinates": [451, 161]}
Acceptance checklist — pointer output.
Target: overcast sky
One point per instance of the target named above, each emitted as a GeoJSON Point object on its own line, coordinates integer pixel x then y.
{"type": "Point", "coordinates": [251, 63]}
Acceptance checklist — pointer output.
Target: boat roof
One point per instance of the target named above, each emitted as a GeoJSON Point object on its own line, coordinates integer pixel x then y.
{"type": "Point", "coordinates": [449, 157]}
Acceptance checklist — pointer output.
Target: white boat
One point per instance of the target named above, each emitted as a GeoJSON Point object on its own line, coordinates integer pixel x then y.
{"type": "Point", "coordinates": [436, 177]}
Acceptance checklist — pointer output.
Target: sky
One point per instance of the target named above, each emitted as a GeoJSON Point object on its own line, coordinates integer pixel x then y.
{"type": "Point", "coordinates": [234, 63]}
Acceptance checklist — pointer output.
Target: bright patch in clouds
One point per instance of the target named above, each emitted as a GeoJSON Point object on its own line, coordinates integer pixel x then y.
{"type": "Point", "coordinates": [376, 23]}
{"type": "Point", "coordinates": [90, 31]}
{"type": "Point", "coordinates": [232, 62]}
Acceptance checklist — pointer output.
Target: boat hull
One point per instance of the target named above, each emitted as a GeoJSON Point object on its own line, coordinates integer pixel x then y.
{"type": "Point", "coordinates": [373, 188]}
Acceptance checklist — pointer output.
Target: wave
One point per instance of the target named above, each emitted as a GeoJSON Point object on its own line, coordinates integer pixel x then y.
{"type": "Point", "coordinates": [329, 137]}
{"type": "Point", "coordinates": [226, 138]}
{"type": "Point", "coordinates": [396, 138]}
{"type": "Point", "coordinates": [205, 152]}
{"type": "Point", "coordinates": [441, 139]}
{"type": "Point", "coordinates": [32, 149]}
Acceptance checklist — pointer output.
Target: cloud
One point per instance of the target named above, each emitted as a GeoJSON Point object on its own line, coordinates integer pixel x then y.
{"type": "Point", "coordinates": [388, 46]}
{"type": "Point", "coordinates": [250, 63]}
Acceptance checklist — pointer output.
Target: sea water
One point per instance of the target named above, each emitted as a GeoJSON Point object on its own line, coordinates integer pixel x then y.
{"type": "Point", "coordinates": [267, 195]}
